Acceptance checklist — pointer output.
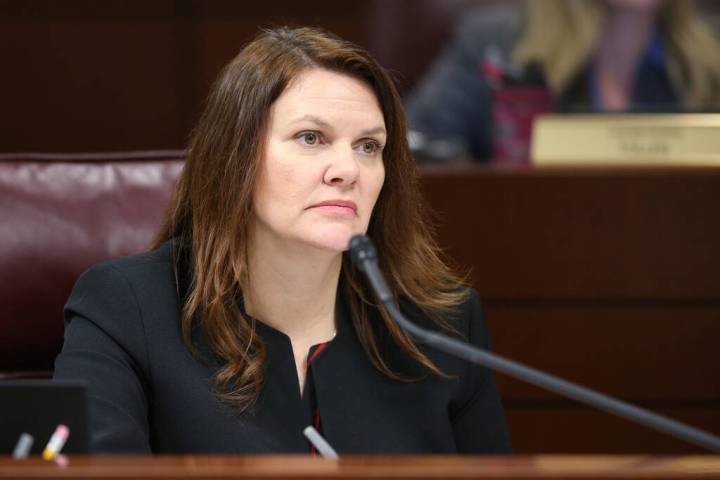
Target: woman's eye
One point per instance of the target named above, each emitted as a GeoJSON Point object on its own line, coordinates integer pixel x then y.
{"type": "Point", "coordinates": [370, 147]}
{"type": "Point", "coordinates": [309, 138]}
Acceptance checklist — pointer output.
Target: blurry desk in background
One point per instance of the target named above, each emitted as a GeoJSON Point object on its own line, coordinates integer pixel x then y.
{"type": "Point", "coordinates": [426, 467]}
{"type": "Point", "coordinates": [609, 277]}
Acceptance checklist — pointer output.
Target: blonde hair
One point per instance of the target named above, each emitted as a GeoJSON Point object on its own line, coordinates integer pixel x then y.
{"type": "Point", "coordinates": [561, 35]}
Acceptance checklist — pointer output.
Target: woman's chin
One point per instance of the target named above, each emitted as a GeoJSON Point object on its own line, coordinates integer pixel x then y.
{"type": "Point", "coordinates": [332, 241]}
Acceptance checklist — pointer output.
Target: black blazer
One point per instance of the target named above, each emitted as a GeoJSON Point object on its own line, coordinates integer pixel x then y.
{"type": "Point", "coordinates": [147, 393]}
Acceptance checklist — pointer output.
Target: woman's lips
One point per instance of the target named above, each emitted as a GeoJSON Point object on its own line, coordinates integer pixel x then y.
{"type": "Point", "coordinates": [341, 207]}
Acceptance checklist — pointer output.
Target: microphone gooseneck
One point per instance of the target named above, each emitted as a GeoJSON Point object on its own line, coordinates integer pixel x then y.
{"type": "Point", "coordinates": [364, 255]}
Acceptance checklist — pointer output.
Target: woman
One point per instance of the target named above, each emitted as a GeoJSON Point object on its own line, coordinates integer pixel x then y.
{"type": "Point", "coordinates": [592, 55]}
{"type": "Point", "coordinates": [247, 322]}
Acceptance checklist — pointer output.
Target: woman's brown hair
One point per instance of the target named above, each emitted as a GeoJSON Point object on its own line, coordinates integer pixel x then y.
{"type": "Point", "coordinates": [212, 207]}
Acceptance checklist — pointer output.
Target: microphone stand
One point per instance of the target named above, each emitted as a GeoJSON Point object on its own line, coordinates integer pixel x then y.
{"type": "Point", "coordinates": [365, 258]}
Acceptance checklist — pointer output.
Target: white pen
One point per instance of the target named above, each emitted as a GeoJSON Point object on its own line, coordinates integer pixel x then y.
{"type": "Point", "coordinates": [320, 444]}
{"type": "Point", "coordinates": [23, 446]}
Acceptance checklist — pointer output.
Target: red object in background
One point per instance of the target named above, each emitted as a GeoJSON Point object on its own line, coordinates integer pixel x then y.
{"type": "Point", "coordinates": [514, 109]}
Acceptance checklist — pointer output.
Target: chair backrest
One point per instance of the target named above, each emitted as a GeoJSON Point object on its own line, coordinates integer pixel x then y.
{"type": "Point", "coordinates": [59, 214]}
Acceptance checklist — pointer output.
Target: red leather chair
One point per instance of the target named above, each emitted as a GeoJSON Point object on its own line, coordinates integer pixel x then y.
{"type": "Point", "coordinates": [59, 214]}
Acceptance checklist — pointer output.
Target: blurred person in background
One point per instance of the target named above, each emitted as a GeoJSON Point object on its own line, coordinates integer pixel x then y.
{"type": "Point", "coordinates": [587, 55]}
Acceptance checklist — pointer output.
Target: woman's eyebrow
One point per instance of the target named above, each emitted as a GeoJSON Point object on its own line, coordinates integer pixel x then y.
{"type": "Point", "coordinates": [322, 123]}
{"type": "Point", "coordinates": [312, 118]}
{"type": "Point", "coordinates": [374, 131]}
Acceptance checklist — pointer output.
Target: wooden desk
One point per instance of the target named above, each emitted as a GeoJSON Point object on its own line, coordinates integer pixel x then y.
{"type": "Point", "coordinates": [609, 277]}
{"type": "Point", "coordinates": [426, 467]}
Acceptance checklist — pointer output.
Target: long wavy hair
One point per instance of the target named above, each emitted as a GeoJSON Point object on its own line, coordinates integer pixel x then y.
{"type": "Point", "coordinates": [561, 36]}
{"type": "Point", "coordinates": [212, 207]}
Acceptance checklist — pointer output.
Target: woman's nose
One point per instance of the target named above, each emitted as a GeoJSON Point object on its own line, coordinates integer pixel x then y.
{"type": "Point", "coordinates": [342, 168]}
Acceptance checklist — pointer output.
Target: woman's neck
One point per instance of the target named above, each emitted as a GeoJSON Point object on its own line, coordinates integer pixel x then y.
{"type": "Point", "coordinates": [625, 38]}
{"type": "Point", "coordinates": [293, 288]}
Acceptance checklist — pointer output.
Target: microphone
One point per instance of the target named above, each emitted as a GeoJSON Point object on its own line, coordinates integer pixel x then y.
{"type": "Point", "coordinates": [364, 256]}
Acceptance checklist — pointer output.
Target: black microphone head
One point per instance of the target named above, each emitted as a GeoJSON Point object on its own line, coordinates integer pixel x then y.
{"type": "Point", "coordinates": [362, 250]}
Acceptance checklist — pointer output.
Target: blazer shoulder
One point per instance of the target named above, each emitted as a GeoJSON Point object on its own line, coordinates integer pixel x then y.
{"type": "Point", "coordinates": [466, 318]}
{"type": "Point", "coordinates": [143, 268]}
{"type": "Point", "coordinates": [141, 264]}
{"type": "Point", "coordinates": [470, 320]}
{"type": "Point", "coordinates": [146, 278]}
{"type": "Point", "coordinates": [470, 301]}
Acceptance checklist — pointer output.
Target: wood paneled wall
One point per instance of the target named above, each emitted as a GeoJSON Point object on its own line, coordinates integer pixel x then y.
{"type": "Point", "coordinates": [605, 277]}
{"type": "Point", "coordinates": [115, 75]}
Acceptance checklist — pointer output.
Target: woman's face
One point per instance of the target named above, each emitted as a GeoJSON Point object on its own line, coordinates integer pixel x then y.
{"type": "Point", "coordinates": [322, 168]}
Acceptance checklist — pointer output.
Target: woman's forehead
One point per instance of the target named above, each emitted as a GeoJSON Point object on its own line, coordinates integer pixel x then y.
{"type": "Point", "coordinates": [318, 93]}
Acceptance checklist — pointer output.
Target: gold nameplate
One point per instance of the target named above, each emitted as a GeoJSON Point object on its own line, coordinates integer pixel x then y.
{"type": "Point", "coordinates": [626, 139]}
